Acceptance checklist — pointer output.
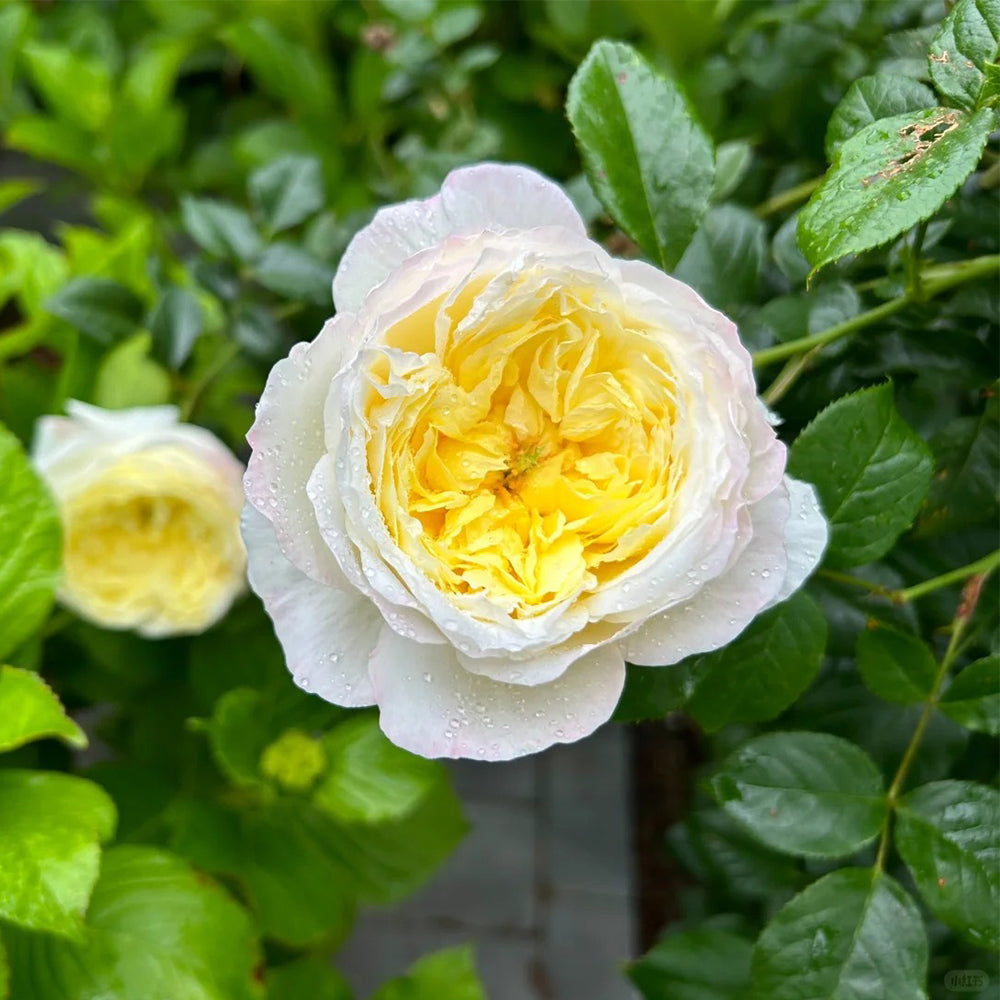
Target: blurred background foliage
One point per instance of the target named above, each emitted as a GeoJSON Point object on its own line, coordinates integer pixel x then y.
{"type": "Point", "coordinates": [178, 181]}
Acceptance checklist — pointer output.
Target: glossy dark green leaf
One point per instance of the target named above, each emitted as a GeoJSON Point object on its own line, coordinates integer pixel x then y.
{"type": "Point", "coordinates": [968, 39]}
{"type": "Point", "coordinates": [720, 853]}
{"type": "Point", "coordinates": [287, 191]}
{"type": "Point", "coordinates": [948, 833]}
{"type": "Point", "coordinates": [895, 665]}
{"type": "Point", "coordinates": [294, 274]}
{"type": "Point", "coordinates": [369, 780]}
{"type": "Point", "coordinates": [445, 975]}
{"type": "Point", "coordinates": [853, 935]}
{"type": "Point", "coordinates": [871, 471]}
{"type": "Point", "coordinates": [222, 229]}
{"type": "Point", "coordinates": [890, 176]}
{"type": "Point", "coordinates": [810, 794]}
{"type": "Point", "coordinates": [760, 673]}
{"type": "Point", "coordinates": [695, 965]}
{"type": "Point", "coordinates": [726, 256]}
{"type": "Point", "coordinates": [101, 308]}
{"type": "Point", "coordinates": [964, 491]}
{"type": "Point", "coordinates": [154, 924]}
{"type": "Point", "coordinates": [30, 710]}
{"type": "Point", "coordinates": [175, 323]}
{"type": "Point", "coordinates": [647, 159]}
{"type": "Point", "coordinates": [973, 697]}
{"type": "Point", "coordinates": [52, 827]}
{"type": "Point", "coordinates": [871, 99]}
{"type": "Point", "coordinates": [30, 546]}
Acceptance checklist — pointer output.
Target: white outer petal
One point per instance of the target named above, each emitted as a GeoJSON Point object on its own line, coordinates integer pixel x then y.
{"type": "Point", "coordinates": [327, 635]}
{"type": "Point", "coordinates": [287, 440]}
{"type": "Point", "coordinates": [489, 196]}
{"type": "Point", "coordinates": [70, 452]}
{"type": "Point", "coordinates": [805, 536]}
{"type": "Point", "coordinates": [458, 714]}
{"type": "Point", "coordinates": [725, 605]}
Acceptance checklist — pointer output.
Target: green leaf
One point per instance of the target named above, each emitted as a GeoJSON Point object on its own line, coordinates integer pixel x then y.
{"type": "Point", "coordinates": [291, 272]}
{"type": "Point", "coordinates": [49, 848]}
{"type": "Point", "coordinates": [964, 490]}
{"type": "Point", "coordinates": [699, 964]}
{"type": "Point", "coordinates": [286, 69]}
{"type": "Point", "coordinates": [307, 979]}
{"type": "Point", "coordinates": [30, 546]}
{"type": "Point", "coordinates": [871, 99]}
{"type": "Point", "coordinates": [59, 142]}
{"type": "Point", "coordinates": [104, 310]}
{"type": "Point", "coordinates": [17, 189]}
{"type": "Point", "coordinates": [245, 722]}
{"type": "Point", "coordinates": [732, 161]}
{"type": "Point", "coordinates": [968, 39]}
{"type": "Point", "coordinates": [973, 698]}
{"type": "Point", "coordinates": [29, 710]}
{"type": "Point", "coordinates": [948, 833]}
{"type": "Point", "coordinates": [221, 229]}
{"type": "Point", "coordinates": [647, 159]}
{"type": "Point", "coordinates": [75, 86]}
{"type": "Point", "coordinates": [760, 673]}
{"type": "Point", "coordinates": [128, 376]}
{"type": "Point", "coordinates": [853, 935]}
{"type": "Point", "coordinates": [154, 928]}
{"type": "Point", "coordinates": [4, 973]}
{"type": "Point", "coordinates": [890, 176]}
{"type": "Point", "coordinates": [810, 794]}
{"type": "Point", "coordinates": [175, 323]}
{"type": "Point", "coordinates": [445, 975]}
{"type": "Point", "coordinates": [286, 191]}
{"type": "Point", "coordinates": [870, 469]}
{"type": "Point", "coordinates": [724, 260]}
{"type": "Point", "coordinates": [896, 666]}
{"type": "Point", "coordinates": [369, 780]}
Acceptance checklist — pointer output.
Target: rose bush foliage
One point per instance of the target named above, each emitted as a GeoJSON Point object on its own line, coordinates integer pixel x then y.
{"type": "Point", "coordinates": [509, 464]}
{"type": "Point", "coordinates": [180, 184]}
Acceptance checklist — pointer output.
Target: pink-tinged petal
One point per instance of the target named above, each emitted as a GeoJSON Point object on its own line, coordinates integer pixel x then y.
{"type": "Point", "coordinates": [806, 535]}
{"type": "Point", "coordinates": [489, 196]}
{"type": "Point", "coordinates": [726, 605]}
{"type": "Point", "coordinates": [327, 635]}
{"type": "Point", "coordinates": [433, 707]}
{"type": "Point", "coordinates": [287, 440]}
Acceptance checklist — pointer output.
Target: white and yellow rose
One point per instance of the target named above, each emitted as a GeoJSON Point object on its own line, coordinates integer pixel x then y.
{"type": "Point", "coordinates": [150, 510]}
{"type": "Point", "coordinates": [508, 465]}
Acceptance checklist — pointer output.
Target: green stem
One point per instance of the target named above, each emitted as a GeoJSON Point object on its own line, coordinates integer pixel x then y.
{"type": "Point", "coordinates": [966, 608]}
{"type": "Point", "coordinates": [789, 198]}
{"type": "Point", "coordinates": [982, 566]}
{"type": "Point", "coordinates": [932, 281]}
{"type": "Point", "coordinates": [935, 280]}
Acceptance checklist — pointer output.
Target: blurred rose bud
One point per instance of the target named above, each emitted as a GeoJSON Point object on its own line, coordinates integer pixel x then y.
{"type": "Point", "coordinates": [150, 511]}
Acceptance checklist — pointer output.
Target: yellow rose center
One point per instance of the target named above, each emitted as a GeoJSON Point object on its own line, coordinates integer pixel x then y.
{"type": "Point", "coordinates": [527, 454]}
{"type": "Point", "coordinates": [152, 537]}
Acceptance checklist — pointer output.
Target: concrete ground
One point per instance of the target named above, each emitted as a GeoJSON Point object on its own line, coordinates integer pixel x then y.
{"type": "Point", "coordinates": [542, 885]}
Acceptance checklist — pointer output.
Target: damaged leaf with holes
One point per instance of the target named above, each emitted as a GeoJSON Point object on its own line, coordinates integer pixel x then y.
{"type": "Point", "coordinates": [889, 177]}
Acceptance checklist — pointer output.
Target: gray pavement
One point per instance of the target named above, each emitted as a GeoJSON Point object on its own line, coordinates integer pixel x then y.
{"type": "Point", "coordinates": [542, 885]}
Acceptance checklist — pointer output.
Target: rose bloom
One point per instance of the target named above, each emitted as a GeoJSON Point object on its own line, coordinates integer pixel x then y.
{"type": "Point", "coordinates": [150, 511]}
{"type": "Point", "coordinates": [508, 465]}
